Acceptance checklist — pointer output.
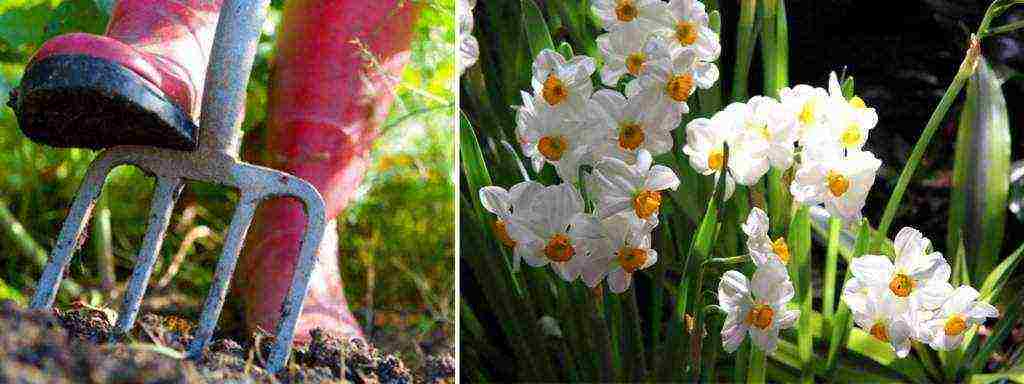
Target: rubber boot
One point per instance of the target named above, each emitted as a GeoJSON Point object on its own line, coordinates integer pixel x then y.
{"type": "Point", "coordinates": [327, 103]}
{"type": "Point", "coordinates": [141, 83]}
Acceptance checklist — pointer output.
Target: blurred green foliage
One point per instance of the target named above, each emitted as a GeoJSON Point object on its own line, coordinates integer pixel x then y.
{"type": "Point", "coordinates": [396, 236]}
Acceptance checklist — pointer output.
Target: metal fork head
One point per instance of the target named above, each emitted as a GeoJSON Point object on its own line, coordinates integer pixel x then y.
{"type": "Point", "coordinates": [215, 161]}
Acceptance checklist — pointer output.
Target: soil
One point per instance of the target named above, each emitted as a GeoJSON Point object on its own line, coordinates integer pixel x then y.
{"type": "Point", "coordinates": [64, 346]}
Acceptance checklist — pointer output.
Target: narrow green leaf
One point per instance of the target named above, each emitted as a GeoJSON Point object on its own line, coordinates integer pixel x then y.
{"type": "Point", "coordinates": [799, 240]}
{"type": "Point", "coordinates": [745, 37]}
{"type": "Point", "coordinates": [843, 321]}
{"type": "Point", "coordinates": [831, 264]}
{"type": "Point", "coordinates": [995, 280]}
{"type": "Point", "coordinates": [536, 28]}
{"type": "Point", "coordinates": [996, 337]}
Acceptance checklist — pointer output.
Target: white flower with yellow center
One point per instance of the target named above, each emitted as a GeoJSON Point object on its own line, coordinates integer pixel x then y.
{"type": "Point", "coordinates": [666, 87]}
{"type": "Point", "coordinates": [705, 145]}
{"type": "Point", "coordinates": [807, 105]}
{"type": "Point", "coordinates": [761, 247]}
{"type": "Point", "coordinates": [507, 206]}
{"type": "Point", "coordinates": [686, 23]}
{"type": "Point", "coordinates": [469, 50]}
{"type": "Point", "coordinates": [958, 313]}
{"type": "Point", "coordinates": [549, 135]}
{"type": "Point", "coordinates": [625, 249]}
{"type": "Point", "coordinates": [757, 307]}
{"type": "Point", "coordinates": [762, 119]}
{"type": "Point", "coordinates": [839, 182]}
{"type": "Point", "coordinates": [555, 231]}
{"type": "Point", "coordinates": [636, 188]}
{"type": "Point", "coordinates": [848, 121]}
{"type": "Point", "coordinates": [615, 14]}
{"type": "Point", "coordinates": [917, 276]}
{"type": "Point", "coordinates": [630, 49]}
{"type": "Point", "coordinates": [560, 83]}
{"type": "Point", "coordinates": [886, 318]}
{"type": "Point", "coordinates": [621, 127]}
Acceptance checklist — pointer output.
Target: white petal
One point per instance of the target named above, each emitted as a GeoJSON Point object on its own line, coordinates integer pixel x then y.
{"type": "Point", "coordinates": [733, 290]}
{"type": "Point", "coordinates": [733, 333]}
{"type": "Point", "coordinates": [618, 280]}
{"type": "Point", "coordinates": [872, 270]}
{"type": "Point", "coordinates": [496, 200]}
{"type": "Point", "coordinates": [767, 340]}
{"type": "Point", "coordinates": [661, 178]}
{"type": "Point", "coordinates": [787, 319]}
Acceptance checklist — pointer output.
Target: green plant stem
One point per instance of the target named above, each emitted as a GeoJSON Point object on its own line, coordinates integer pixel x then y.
{"type": "Point", "coordinates": [604, 341]}
{"type": "Point", "coordinates": [744, 49]}
{"type": "Point", "coordinates": [831, 265]}
{"type": "Point", "coordinates": [634, 354]}
{"type": "Point", "coordinates": [800, 244]}
{"type": "Point", "coordinates": [756, 368]}
{"type": "Point", "coordinates": [843, 323]}
{"type": "Point", "coordinates": [967, 68]}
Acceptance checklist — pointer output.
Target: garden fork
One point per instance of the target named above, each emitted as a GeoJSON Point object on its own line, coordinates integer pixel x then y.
{"type": "Point", "coordinates": [216, 161]}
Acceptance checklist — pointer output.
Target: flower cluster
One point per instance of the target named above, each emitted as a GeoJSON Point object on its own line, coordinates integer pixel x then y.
{"type": "Point", "coordinates": [911, 298]}
{"type": "Point", "coordinates": [758, 306]}
{"type": "Point", "coordinates": [819, 130]}
{"type": "Point", "coordinates": [663, 51]}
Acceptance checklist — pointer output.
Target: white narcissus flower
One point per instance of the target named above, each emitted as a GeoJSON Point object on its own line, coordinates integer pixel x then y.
{"type": "Point", "coordinates": [687, 23]}
{"type": "Point", "coordinates": [958, 313]}
{"type": "Point", "coordinates": [761, 247]}
{"type": "Point", "coordinates": [848, 121]}
{"type": "Point", "coordinates": [615, 14]}
{"type": "Point", "coordinates": [551, 135]}
{"type": "Point", "coordinates": [630, 49]}
{"type": "Point", "coordinates": [918, 276]}
{"type": "Point", "coordinates": [807, 105]}
{"type": "Point", "coordinates": [555, 231]}
{"type": "Point", "coordinates": [886, 318]}
{"type": "Point", "coordinates": [625, 249]}
{"type": "Point", "coordinates": [757, 307]}
{"type": "Point", "coordinates": [839, 182]}
{"type": "Point", "coordinates": [705, 146]}
{"type": "Point", "coordinates": [763, 119]}
{"type": "Point", "coordinates": [621, 187]}
{"type": "Point", "coordinates": [621, 127]}
{"type": "Point", "coordinates": [469, 50]}
{"type": "Point", "coordinates": [508, 205]}
{"type": "Point", "coordinates": [666, 87]}
{"type": "Point", "coordinates": [561, 83]}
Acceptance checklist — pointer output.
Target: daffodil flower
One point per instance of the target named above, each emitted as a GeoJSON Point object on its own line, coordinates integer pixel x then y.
{"type": "Point", "coordinates": [561, 83]}
{"type": "Point", "coordinates": [508, 205]}
{"type": "Point", "coordinates": [555, 231]}
{"type": "Point", "coordinates": [757, 307]}
{"type": "Point", "coordinates": [958, 313]}
{"type": "Point", "coordinates": [761, 247]}
{"type": "Point", "coordinates": [615, 14]}
{"type": "Point", "coordinates": [622, 127]}
{"type": "Point", "coordinates": [840, 182]}
{"type": "Point", "coordinates": [763, 119]}
{"type": "Point", "coordinates": [886, 318]}
{"type": "Point", "coordinates": [637, 188]}
{"type": "Point", "coordinates": [807, 105]}
{"type": "Point", "coordinates": [848, 121]}
{"type": "Point", "coordinates": [920, 277]}
{"type": "Point", "coordinates": [626, 249]}
{"type": "Point", "coordinates": [687, 24]}
{"type": "Point", "coordinates": [630, 49]}
{"type": "Point", "coordinates": [667, 86]}
{"type": "Point", "coordinates": [705, 147]}
{"type": "Point", "coordinates": [549, 135]}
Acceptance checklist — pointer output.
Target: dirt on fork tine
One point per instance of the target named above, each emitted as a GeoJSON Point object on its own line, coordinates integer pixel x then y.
{"type": "Point", "coordinates": [66, 346]}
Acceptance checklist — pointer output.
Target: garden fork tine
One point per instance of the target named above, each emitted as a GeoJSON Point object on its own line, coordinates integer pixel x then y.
{"type": "Point", "coordinates": [215, 161]}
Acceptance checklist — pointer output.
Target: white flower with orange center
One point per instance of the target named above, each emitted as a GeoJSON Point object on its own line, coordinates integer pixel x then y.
{"type": "Point", "coordinates": [507, 205]}
{"type": "Point", "coordinates": [886, 318]}
{"type": "Point", "coordinates": [615, 14]}
{"type": "Point", "coordinates": [561, 83]}
{"type": "Point", "coordinates": [549, 135]}
{"type": "Point", "coordinates": [621, 127]}
{"type": "Point", "coordinates": [763, 119]}
{"type": "Point", "coordinates": [555, 231]}
{"type": "Point", "coordinates": [625, 249]}
{"type": "Point", "coordinates": [763, 249]}
{"type": "Point", "coordinates": [630, 49]}
{"type": "Point", "coordinates": [757, 307]}
{"type": "Point", "coordinates": [666, 87]}
{"type": "Point", "coordinates": [841, 183]}
{"type": "Point", "coordinates": [958, 314]}
{"type": "Point", "coordinates": [621, 187]}
{"type": "Point", "coordinates": [807, 105]}
{"type": "Point", "coordinates": [746, 162]}
{"type": "Point", "coordinates": [686, 23]}
{"type": "Point", "coordinates": [848, 121]}
{"type": "Point", "coordinates": [917, 276]}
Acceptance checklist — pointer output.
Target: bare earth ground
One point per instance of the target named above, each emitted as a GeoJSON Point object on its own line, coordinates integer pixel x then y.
{"type": "Point", "coordinates": [68, 345]}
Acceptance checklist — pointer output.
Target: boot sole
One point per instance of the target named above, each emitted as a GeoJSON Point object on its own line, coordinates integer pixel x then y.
{"type": "Point", "coordinates": [85, 102]}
